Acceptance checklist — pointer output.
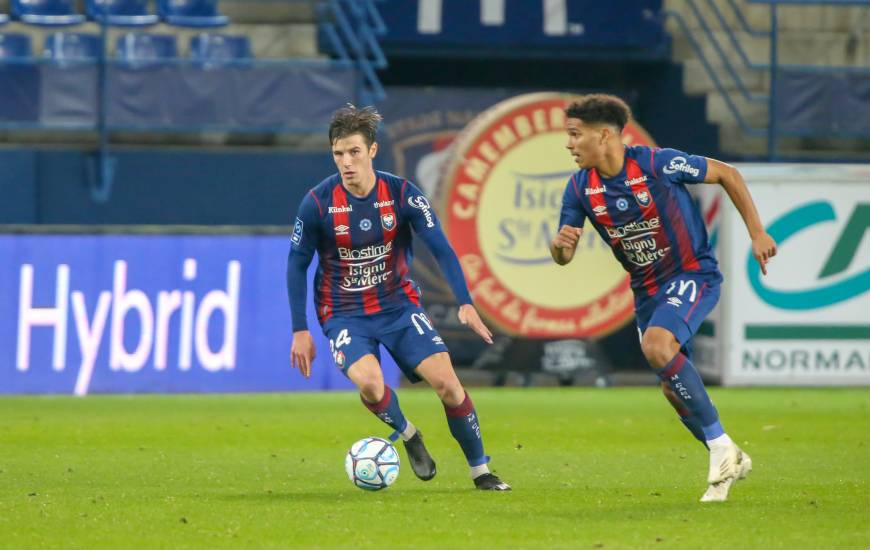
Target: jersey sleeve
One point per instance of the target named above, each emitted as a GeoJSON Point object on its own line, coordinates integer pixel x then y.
{"type": "Point", "coordinates": [303, 244]}
{"type": "Point", "coordinates": [679, 167]}
{"type": "Point", "coordinates": [417, 209]}
{"type": "Point", "coordinates": [572, 212]}
{"type": "Point", "coordinates": [306, 227]}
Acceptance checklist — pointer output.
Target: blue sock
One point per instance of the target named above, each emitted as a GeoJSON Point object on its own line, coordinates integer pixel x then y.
{"type": "Point", "coordinates": [690, 422]}
{"type": "Point", "coordinates": [465, 428]}
{"type": "Point", "coordinates": [683, 378]}
{"type": "Point", "coordinates": [387, 409]}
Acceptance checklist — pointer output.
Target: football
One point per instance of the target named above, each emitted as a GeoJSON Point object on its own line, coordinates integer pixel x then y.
{"type": "Point", "coordinates": [372, 464]}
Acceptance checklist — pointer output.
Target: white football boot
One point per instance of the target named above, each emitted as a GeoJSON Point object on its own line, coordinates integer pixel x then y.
{"type": "Point", "coordinates": [717, 491]}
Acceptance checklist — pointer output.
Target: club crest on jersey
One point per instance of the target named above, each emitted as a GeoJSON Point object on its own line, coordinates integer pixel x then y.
{"type": "Point", "coordinates": [622, 204]}
{"type": "Point", "coordinates": [643, 198]}
{"type": "Point", "coordinates": [388, 221]}
{"type": "Point", "coordinates": [600, 210]}
{"type": "Point", "coordinates": [365, 224]}
{"type": "Point", "coordinates": [296, 238]}
{"type": "Point", "coordinates": [341, 229]}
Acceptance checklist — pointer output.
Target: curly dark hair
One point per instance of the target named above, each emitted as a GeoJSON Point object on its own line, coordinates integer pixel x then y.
{"type": "Point", "coordinates": [350, 120]}
{"type": "Point", "coordinates": [600, 109]}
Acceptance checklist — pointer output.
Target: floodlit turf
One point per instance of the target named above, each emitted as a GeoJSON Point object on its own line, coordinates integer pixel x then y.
{"type": "Point", "coordinates": [590, 469]}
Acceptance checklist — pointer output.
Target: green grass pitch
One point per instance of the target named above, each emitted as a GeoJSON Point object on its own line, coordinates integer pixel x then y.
{"type": "Point", "coordinates": [590, 469]}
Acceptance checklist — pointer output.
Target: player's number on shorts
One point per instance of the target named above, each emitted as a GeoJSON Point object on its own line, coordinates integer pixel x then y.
{"type": "Point", "coordinates": [342, 339]}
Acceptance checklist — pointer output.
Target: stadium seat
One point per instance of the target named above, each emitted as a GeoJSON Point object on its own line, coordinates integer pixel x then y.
{"type": "Point", "coordinates": [137, 47]}
{"type": "Point", "coordinates": [3, 18]}
{"type": "Point", "coordinates": [72, 46]}
{"type": "Point", "coordinates": [49, 13]}
{"type": "Point", "coordinates": [191, 13]}
{"type": "Point", "coordinates": [14, 46]}
{"type": "Point", "coordinates": [211, 48]}
{"type": "Point", "coordinates": [122, 13]}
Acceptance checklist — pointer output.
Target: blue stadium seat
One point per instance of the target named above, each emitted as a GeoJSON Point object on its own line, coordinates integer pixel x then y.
{"type": "Point", "coordinates": [14, 46]}
{"type": "Point", "coordinates": [72, 46]}
{"type": "Point", "coordinates": [3, 18]}
{"type": "Point", "coordinates": [137, 47]}
{"type": "Point", "coordinates": [211, 48]}
{"type": "Point", "coordinates": [50, 13]}
{"type": "Point", "coordinates": [191, 13]}
{"type": "Point", "coordinates": [122, 13]}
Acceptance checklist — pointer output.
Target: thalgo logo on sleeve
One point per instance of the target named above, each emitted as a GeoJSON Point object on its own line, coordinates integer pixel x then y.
{"type": "Point", "coordinates": [110, 315]}
{"type": "Point", "coordinates": [419, 201]}
{"type": "Point", "coordinates": [680, 164]}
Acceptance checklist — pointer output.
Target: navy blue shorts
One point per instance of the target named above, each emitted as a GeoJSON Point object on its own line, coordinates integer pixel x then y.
{"type": "Point", "coordinates": [680, 305]}
{"type": "Point", "coordinates": [407, 333]}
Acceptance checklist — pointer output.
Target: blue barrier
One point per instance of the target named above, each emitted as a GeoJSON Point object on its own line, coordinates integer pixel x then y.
{"type": "Point", "coordinates": [257, 96]}
{"type": "Point", "coordinates": [123, 314]}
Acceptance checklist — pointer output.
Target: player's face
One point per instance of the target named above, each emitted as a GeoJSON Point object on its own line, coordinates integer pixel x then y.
{"type": "Point", "coordinates": [353, 158]}
{"type": "Point", "coordinates": [586, 143]}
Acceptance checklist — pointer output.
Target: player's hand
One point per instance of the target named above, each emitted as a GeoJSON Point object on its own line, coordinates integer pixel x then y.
{"type": "Point", "coordinates": [763, 248]}
{"type": "Point", "coordinates": [568, 237]}
{"type": "Point", "coordinates": [302, 352]}
{"type": "Point", "coordinates": [468, 316]}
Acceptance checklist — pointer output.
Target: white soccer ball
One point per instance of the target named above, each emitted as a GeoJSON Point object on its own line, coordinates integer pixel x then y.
{"type": "Point", "coordinates": [372, 464]}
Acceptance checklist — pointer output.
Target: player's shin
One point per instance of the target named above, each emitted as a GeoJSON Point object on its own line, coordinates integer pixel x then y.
{"type": "Point", "coordinates": [465, 427]}
{"type": "Point", "coordinates": [692, 423]}
{"type": "Point", "coordinates": [388, 410]}
{"type": "Point", "coordinates": [685, 382]}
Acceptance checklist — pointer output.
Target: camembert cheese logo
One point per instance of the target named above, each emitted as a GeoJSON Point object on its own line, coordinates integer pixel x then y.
{"type": "Point", "coordinates": [501, 197]}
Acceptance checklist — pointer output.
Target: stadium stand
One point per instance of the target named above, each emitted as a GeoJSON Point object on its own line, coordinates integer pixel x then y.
{"type": "Point", "coordinates": [823, 50]}
{"type": "Point", "coordinates": [122, 13]}
{"type": "Point", "coordinates": [191, 13]}
{"type": "Point", "coordinates": [15, 46]}
{"type": "Point", "coordinates": [138, 47]}
{"type": "Point", "coordinates": [48, 13]}
{"type": "Point", "coordinates": [207, 47]}
{"type": "Point", "coordinates": [72, 46]}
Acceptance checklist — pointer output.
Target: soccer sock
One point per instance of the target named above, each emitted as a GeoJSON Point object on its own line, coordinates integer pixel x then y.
{"type": "Point", "coordinates": [682, 376]}
{"type": "Point", "coordinates": [387, 409]}
{"type": "Point", "coordinates": [465, 428]}
{"type": "Point", "coordinates": [690, 422]}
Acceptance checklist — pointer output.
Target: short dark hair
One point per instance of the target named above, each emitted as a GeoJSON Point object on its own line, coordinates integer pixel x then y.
{"type": "Point", "coordinates": [350, 120]}
{"type": "Point", "coordinates": [600, 109]}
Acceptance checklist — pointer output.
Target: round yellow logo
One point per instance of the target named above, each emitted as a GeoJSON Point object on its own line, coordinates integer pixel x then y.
{"type": "Point", "coordinates": [502, 194]}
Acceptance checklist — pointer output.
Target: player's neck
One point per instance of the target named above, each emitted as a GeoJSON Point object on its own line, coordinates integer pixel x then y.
{"type": "Point", "coordinates": [612, 163]}
{"type": "Point", "coordinates": [363, 188]}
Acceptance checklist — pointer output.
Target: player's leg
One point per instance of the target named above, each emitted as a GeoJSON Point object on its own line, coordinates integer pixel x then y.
{"type": "Point", "coordinates": [462, 418]}
{"type": "Point", "coordinates": [683, 306]}
{"type": "Point", "coordinates": [378, 397]}
{"type": "Point", "coordinates": [644, 310]}
{"type": "Point", "coordinates": [358, 357]}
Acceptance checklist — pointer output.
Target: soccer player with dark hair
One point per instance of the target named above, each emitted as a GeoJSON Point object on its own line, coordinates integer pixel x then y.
{"type": "Point", "coordinates": [636, 199]}
{"type": "Point", "coordinates": [360, 222]}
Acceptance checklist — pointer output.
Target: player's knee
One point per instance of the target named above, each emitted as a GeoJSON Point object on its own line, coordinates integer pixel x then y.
{"type": "Point", "coordinates": [658, 347]}
{"type": "Point", "coordinates": [449, 390]}
{"type": "Point", "coordinates": [372, 390]}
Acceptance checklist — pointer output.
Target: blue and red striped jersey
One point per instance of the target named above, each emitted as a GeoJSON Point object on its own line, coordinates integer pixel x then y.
{"type": "Point", "coordinates": [363, 244]}
{"type": "Point", "coordinates": [645, 214]}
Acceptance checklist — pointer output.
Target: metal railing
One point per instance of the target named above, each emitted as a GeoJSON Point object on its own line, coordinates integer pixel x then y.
{"type": "Point", "coordinates": [772, 68]}
{"type": "Point", "coordinates": [352, 28]}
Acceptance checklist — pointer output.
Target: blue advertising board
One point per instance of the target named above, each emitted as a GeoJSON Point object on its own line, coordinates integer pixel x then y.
{"type": "Point", "coordinates": [84, 314]}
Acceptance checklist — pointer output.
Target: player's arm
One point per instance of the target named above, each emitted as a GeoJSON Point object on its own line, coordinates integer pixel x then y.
{"type": "Point", "coordinates": [571, 220]}
{"type": "Point", "coordinates": [763, 245]}
{"type": "Point", "coordinates": [302, 247]}
{"type": "Point", "coordinates": [426, 225]}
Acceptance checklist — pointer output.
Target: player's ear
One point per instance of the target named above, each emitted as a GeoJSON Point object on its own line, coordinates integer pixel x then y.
{"type": "Point", "coordinates": [373, 150]}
